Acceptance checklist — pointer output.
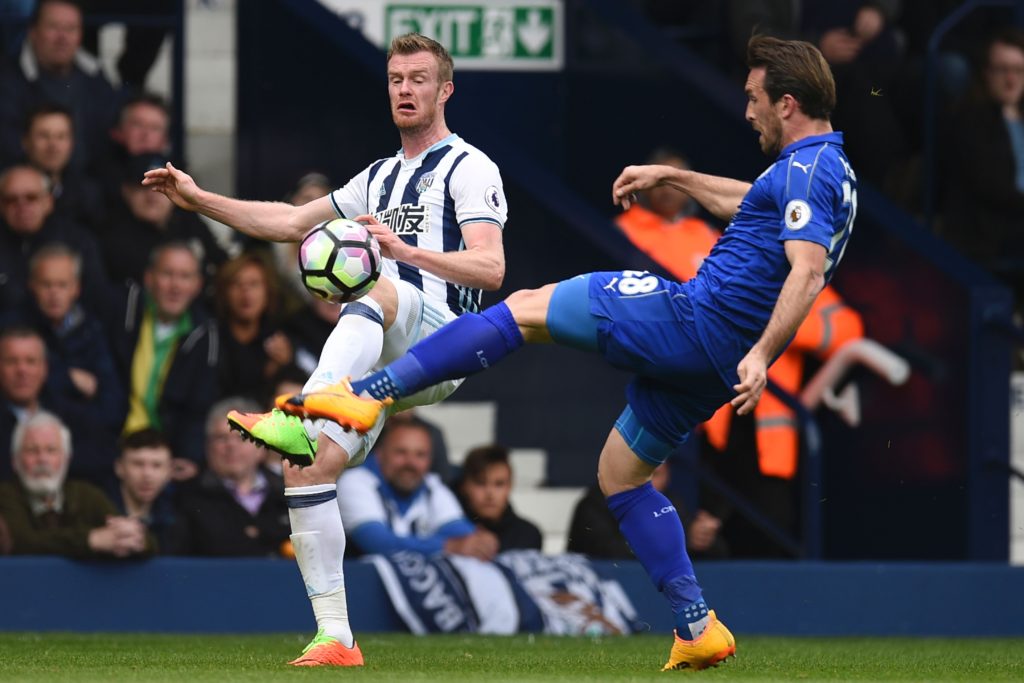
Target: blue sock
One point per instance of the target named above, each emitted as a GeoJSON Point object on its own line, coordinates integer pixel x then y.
{"type": "Point", "coordinates": [652, 527]}
{"type": "Point", "coordinates": [463, 347]}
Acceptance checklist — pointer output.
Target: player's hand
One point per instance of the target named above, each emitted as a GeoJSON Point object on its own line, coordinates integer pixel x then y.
{"type": "Point", "coordinates": [391, 245]}
{"type": "Point", "coordinates": [177, 185]}
{"type": "Point", "coordinates": [753, 374]}
{"type": "Point", "coordinates": [634, 179]}
{"type": "Point", "coordinates": [84, 381]}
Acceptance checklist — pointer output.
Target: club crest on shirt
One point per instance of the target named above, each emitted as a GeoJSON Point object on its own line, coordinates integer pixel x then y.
{"type": "Point", "coordinates": [493, 197]}
{"type": "Point", "coordinates": [407, 219]}
{"type": "Point", "coordinates": [423, 184]}
{"type": "Point", "coordinates": [798, 213]}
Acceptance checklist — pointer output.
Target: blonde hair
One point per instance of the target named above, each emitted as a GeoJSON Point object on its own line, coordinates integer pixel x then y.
{"type": "Point", "coordinates": [411, 43]}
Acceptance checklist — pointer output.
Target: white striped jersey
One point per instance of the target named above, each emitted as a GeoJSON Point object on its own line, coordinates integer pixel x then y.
{"type": "Point", "coordinates": [426, 200]}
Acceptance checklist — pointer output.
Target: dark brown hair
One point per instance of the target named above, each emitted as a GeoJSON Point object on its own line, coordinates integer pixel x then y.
{"type": "Point", "coordinates": [411, 43]}
{"type": "Point", "coordinates": [480, 458]}
{"type": "Point", "coordinates": [796, 68]}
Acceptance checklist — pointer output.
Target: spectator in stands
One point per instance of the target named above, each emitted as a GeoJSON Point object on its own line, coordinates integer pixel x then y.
{"type": "Point", "coordinates": [82, 384]}
{"type": "Point", "coordinates": [23, 392]}
{"type": "Point", "coordinates": [395, 503]}
{"type": "Point", "coordinates": [286, 254]}
{"type": "Point", "coordinates": [236, 507]}
{"type": "Point", "coordinates": [50, 515]}
{"type": "Point", "coordinates": [439, 464]}
{"type": "Point", "coordinates": [308, 329]}
{"type": "Point", "coordinates": [662, 226]}
{"type": "Point", "coordinates": [52, 69]}
{"type": "Point", "coordinates": [143, 128]}
{"type": "Point", "coordinates": [143, 472]}
{"type": "Point", "coordinates": [595, 532]}
{"type": "Point", "coordinates": [985, 193]}
{"type": "Point", "coordinates": [146, 219]}
{"type": "Point", "coordinates": [22, 377]}
{"type": "Point", "coordinates": [254, 347]}
{"type": "Point", "coordinates": [26, 208]}
{"type": "Point", "coordinates": [859, 40]}
{"type": "Point", "coordinates": [483, 489]}
{"type": "Point", "coordinates": [167, 347]}
{"type": "Point", "coordinates": [48, 141]}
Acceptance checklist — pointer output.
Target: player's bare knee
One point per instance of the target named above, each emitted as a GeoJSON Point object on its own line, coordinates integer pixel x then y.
{"type": "Point", "coordinates": [386, 296]}
{"type": "Point", "coordinates": [529, 308]}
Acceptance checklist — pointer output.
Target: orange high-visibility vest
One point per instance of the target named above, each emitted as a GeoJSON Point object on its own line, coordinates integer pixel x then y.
{"type": "Point", "coordinates": [679, 247]}
{"type": "Point", "coordinates": [829, 325]}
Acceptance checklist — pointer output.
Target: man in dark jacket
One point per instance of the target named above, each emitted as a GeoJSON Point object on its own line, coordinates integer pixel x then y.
{"type": "Point", "coordinates": [52, 69]}
{"type": "Point", "coordinates": [166, 346]}
{"type": "Point", "coordinates": [236, 507]}
{"type": "Point", "coordinates": [484, 488]}
{"type": "Point", "coordinates": [26, 210]}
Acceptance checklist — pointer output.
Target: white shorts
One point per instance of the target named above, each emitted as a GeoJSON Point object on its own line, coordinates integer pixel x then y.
{"type": "Point", "coordinates": [415, 319]}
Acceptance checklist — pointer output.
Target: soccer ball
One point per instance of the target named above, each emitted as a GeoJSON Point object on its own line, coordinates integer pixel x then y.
{"type": "Point", "coordinates": [339, 260]}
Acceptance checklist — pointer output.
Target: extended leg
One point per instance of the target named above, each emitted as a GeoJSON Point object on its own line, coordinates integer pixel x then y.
{"type": "Point", "coordinates": [654, 531]}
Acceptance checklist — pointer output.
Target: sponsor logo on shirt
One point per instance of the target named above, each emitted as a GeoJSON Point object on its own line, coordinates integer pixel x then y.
{"type": "Point", "coordinates": [407, 219]}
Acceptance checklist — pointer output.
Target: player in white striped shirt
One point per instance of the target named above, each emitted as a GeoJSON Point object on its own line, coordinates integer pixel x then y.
{"type": "Point", "coordinates": [438, 210]}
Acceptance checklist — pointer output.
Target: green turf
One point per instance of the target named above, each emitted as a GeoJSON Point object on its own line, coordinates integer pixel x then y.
{"type": "Point", "coordinates": [194, 659]}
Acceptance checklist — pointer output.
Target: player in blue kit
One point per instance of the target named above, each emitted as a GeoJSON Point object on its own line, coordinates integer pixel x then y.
{"type": "Point", "coordinates": [693, 346]}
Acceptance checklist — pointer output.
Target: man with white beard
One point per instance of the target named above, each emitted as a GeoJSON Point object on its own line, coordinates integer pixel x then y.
{"type": "Point", "coordinates": [47, 514]}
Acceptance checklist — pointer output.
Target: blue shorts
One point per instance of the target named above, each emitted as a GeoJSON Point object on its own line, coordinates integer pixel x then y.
{"type": "Point", "coordinates": [643, 324]}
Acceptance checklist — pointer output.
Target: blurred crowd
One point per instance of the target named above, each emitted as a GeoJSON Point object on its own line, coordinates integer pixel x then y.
{"type": "Point", "coordinates": [130, 327]}
{"type": "Point", "coordinates": [878, 51]}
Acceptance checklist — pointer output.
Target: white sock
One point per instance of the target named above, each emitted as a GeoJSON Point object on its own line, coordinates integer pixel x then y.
{"type": "Point", "coordinates": [353, 348]}
{"type": "Point", "coordinates": [318, 537]}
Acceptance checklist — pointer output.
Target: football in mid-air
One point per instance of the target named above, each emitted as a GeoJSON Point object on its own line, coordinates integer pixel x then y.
{"type": "Point", "coordinates": [339, 260]}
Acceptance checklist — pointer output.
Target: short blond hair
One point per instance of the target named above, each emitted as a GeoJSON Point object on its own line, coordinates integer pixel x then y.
{"type": "Point", "coordinates": [411, 43]}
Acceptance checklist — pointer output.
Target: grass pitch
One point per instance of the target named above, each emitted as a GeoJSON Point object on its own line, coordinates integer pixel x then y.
{"type": "Point", "coordinates": [404, 658]}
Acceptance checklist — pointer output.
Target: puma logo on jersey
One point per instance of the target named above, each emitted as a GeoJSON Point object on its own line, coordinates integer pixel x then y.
{"type": "Point", "coordinates": [407, 219]}
{"type": "Point", "coordinates": [803, 167]}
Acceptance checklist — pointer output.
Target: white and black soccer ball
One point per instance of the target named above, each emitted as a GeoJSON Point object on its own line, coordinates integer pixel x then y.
{"type": "Point", "coordinates": [339, 260]}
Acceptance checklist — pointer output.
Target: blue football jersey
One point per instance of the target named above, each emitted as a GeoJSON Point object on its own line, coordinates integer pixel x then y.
{"type": "Point", "coordinates": [809, 193]}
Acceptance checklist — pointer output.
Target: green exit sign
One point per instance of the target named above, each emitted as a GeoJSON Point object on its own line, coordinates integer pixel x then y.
{"type": "Point", "coordinates": [524, 35]}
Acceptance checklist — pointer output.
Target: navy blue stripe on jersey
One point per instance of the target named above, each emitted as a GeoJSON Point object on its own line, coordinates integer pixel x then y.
{"type": "Point", "coordinates": [479, 219]}
{"type": "Point", "coordinates": [337, 209]}
{"type": "Point", "coordinates": [370, 177]}
{"type": "Point", "coordinates": [389, 187]}
{"type": "Point", "coordinates": [451, 239]}
{"type": "Point", "coordinates": [408, 273]}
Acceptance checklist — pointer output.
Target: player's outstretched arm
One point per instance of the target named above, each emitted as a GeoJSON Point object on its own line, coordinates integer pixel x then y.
{"type": "Point", "coordinates": [720, 196]}
{"type": "Point", "coordinates": [274, 221]}
{"type": "Point", "coordinates": [806, 278]}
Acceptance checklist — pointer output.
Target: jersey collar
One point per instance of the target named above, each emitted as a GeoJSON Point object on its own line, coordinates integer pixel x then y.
{"type": "Point", "coordinates": [437, 145]}
{"type": "Point", "coordinates": [835, 137]}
